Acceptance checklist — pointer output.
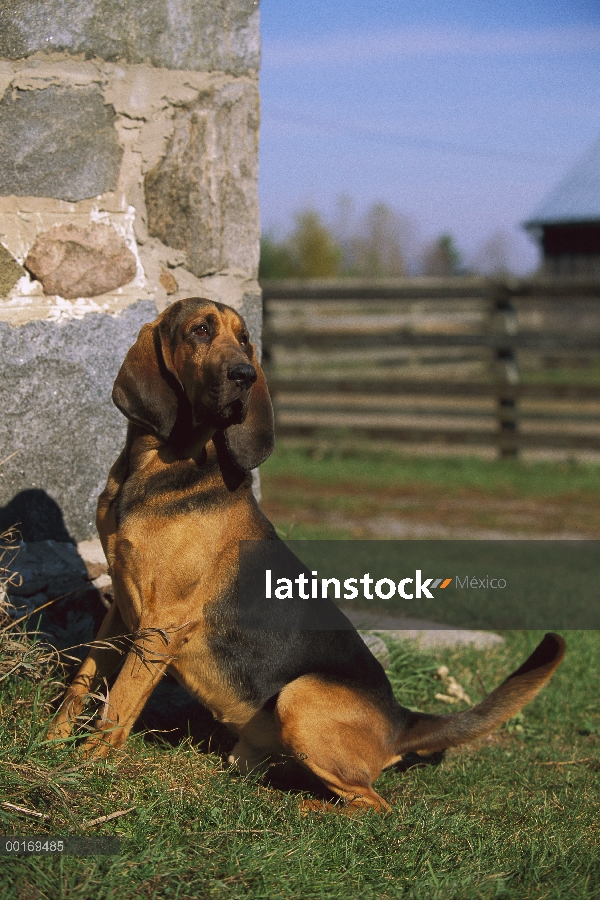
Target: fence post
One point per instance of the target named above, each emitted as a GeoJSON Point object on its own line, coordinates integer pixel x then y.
{"type": "Point", "coordinates": [503, 327]}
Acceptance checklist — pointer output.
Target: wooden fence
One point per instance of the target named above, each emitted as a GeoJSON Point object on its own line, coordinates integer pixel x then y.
{"type": "Point", "coordinates": [508, 363]}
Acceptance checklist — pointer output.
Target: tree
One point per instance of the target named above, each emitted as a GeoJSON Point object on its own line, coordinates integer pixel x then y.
{"type": "Point", "coordinates": [314, 250]}
{"type": "Point", "coordinates": [374, 246]}
{"type": "Point", "coordinates": [376, 250]}
{"type": "Point", "coordinates": [275, 258]}
{"type": "Point", "coordinates": [442, 258]}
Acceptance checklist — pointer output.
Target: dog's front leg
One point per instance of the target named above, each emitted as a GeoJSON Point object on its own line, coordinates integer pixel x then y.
{"type": "Point", "coordinates": [143, 668]}
{"type": "Point", "coordinates": [100, 663]}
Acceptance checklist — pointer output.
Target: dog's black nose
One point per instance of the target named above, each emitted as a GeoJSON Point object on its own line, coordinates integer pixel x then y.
{"type": "Point", "coordinates": [243, 374]}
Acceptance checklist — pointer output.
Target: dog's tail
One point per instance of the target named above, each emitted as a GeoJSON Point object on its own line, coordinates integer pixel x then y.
{"type": "Point", "coordinates": [424, 734]}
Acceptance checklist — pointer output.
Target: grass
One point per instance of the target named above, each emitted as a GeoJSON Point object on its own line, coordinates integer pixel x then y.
{"type": "Point", "coordinates": [327, 491]}
{"type": "Point", "coordinates": [586, 374]}
{"type": "Point", "coordinates": [327, 464]}
{"type": "Point", "coordinates": [515, 816]}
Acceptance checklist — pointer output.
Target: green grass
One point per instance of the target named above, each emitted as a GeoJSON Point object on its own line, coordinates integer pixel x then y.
{"type": "Point", "coordinates": [586, 374]}
{"type": "Point", "coordinates": [369, 468]}
{"type": "Point", "coordinates": [326, 491]}
{"type": "Point", "coordinates": [490, 821]}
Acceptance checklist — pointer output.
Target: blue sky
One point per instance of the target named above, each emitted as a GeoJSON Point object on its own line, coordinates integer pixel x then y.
{"type": "Point", "coordinates": [461, 116]}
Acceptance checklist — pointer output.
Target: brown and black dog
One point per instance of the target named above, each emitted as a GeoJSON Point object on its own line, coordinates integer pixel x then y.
{"type": "Point", "coordinates": [177, 502]}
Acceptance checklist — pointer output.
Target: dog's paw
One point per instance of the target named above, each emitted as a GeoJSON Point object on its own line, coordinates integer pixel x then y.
{"type": "Point", "coordinates": [342, 807]}
{"type": "Point", "coordinates": [246, 758]}
{"type": "Point", "coordinates": [96, 748]}
{"type": "Point", "coordinates": [60, 728]}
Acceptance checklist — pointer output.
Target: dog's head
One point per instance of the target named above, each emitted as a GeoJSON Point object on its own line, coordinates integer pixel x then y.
{"type": "Point", "coordinates": [196, 363]}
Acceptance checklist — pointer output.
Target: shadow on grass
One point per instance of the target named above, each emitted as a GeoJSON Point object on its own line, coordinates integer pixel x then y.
{"type": "Point", "coordinates": [171, 716]}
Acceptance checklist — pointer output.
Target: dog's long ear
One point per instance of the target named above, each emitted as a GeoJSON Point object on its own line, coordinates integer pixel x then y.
{"type": "Point", "coordinates": [253, 441]}
{"type": "Point", "coordinates": [145, 390]}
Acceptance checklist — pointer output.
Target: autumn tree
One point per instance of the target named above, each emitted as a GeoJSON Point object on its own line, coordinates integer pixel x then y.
{"type": "Point", "coordinates": [310, 251]}
{"type": "Point", "coordinates": [372, 246]}
{"type": "Point", "coordinates": [314, 249]}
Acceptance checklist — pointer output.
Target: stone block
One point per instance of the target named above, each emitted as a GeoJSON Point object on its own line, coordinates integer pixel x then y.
{"type": "Point", "coordinates": [57, 414]}
{"type": "Point", "coordinates": [252, 311]}
{"type": "Point", "coordinates": [174, 34]}
{"type": "Point", "coordinates": [201, 197]}
{"type": "Point", "coordinates": [81, 262]}
{"type": "Point", "coordinates": [58, 142]}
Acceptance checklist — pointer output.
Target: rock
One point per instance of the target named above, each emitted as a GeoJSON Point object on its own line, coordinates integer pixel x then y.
{"type": "Point", "coordinates": [92, 553]}
{"type": "Point", "coordinates": [54, 571]}
{"type": "Point", "coordinates": [252, 311]}
{"type": "Point", "coordinates": [103, 583]}
{"type": "Point", "coordinates": [168, 282]}
{"type": "Point", "coordinates": [201, 197]}
{"type": "Point", "coordinates": [93, 557]}
{"type": "Point", "coordinates": [73, 621]}
{"type": "Point", "coordinates": [58, 142]}
{"type": "Point", "coordinates": [53, 567]}
{"type": "Point", "coordinates": [10, 271]}
{"type": "Point", "coordinates": [430, 635]}
{"type": "Point", "coordinates": [95, 571]}
{"type": "Point", "coordinates": [22, 606]}
{"type": "Point", "coordinates": [377, 648]}
{"type": "Point", "coordinates": [439, 638]}
{"type": "Point", "coordinates": [59, 420]}
{"type": "Point", "coordinates": [81, 262]}
{"type": "Point", "coordinates": [174, 34]}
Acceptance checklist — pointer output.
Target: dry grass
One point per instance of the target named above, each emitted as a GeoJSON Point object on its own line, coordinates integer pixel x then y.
{"type": "Point", "coordinates": [9, 547]}
{"type": "Point", "coordinates": [24, 654]}
{"type": "Point", "coordinates": [21, 655]}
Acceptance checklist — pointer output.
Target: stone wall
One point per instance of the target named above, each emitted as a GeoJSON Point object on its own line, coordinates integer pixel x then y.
{"type": "Point", "coordinates": [128, 180]}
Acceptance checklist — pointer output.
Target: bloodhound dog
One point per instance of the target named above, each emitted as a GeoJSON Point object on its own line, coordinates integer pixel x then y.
{"type": "Point", "coordinates": [177, 503]}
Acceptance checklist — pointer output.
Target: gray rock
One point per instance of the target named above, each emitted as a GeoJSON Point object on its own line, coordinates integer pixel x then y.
{"type": "Point", "coordinates": [50, 566]}
{"type": "Point", "coordinates": [92, 554]}
{"type": "Point", "coordinates": [430, 635]}
{"type": "Point", "coordinates": [439, 638]}
{"type": "Point", "coordinates": [201, 198]}
{"type": "Point", "coordinates": [252, 311]}
{"type": "Point", "coordinates": [71, 622]}
{"type": "Point", "coordinates": [10, 271]}
{"type": "Point", "coordinates": [57, 413]}
{"type": "Point", "coordinates": [58, 142]}
{"type": "Point", "coordinates": [377, 648]}
{"type": "Point", "coordinates": [24, 606]}
{"type": "Point", "coordinates": [81, 262]}
{"type": "Point", "coordinates": [63, 607]}
{"type": "Point", "coordinates": [177, 34]}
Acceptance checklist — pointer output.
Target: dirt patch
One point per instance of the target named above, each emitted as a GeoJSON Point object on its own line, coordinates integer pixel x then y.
{"type": "Point", "coordinates": [422, 512]}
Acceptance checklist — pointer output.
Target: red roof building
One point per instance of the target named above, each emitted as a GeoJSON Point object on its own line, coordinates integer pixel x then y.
{"type": "Point", "coordinates": [567, 222]}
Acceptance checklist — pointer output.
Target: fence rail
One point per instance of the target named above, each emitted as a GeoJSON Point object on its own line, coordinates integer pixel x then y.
{"type": "Point", "coordinates": [508, 363]}
{"type": "Point", "coordinates": [325, 289]}
{"type": "Point", "coordinates": [543, 342]}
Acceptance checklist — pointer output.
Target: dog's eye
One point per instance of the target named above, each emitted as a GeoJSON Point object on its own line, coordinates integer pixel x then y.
{"type": "Point", "coordinates": [244, 340]}
{"type": "Point", "coordinates": [201, 330]}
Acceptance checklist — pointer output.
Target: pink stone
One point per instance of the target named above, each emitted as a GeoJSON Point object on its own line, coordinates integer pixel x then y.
{"type": "Point", "coordinates": [81, 262]}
